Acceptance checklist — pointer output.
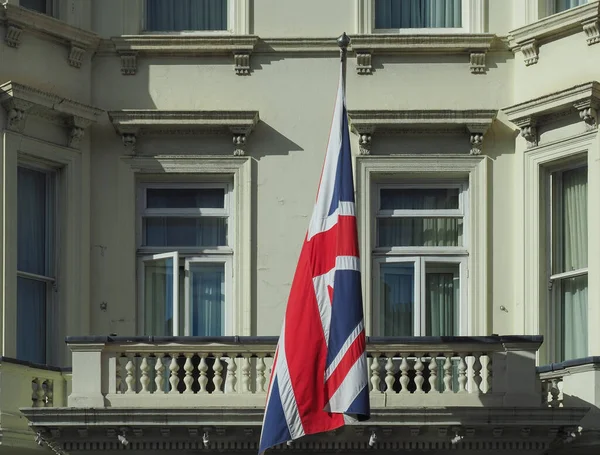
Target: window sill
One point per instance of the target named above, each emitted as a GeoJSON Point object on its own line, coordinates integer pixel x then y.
{"type": "Point", "coordinates": [17, 20]}
{"type": "Point", "coordinates": [527, 39]}
{"type": "Point", "coordinates": [129, 47]}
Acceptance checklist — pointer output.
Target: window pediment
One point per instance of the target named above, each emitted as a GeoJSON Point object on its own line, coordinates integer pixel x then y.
{"type": "Point", "coordinates": [473, 123]}
{"type": "Point", "coordinates": [130, 124]}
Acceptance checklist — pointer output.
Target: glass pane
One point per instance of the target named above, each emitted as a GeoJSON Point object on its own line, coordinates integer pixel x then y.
{"type": "Point", "coordinates": [185, 198]}
{"type": "Point", "coordinates": [419, 232]}
{"type": "Point", "coordinates": [31, 221]}
{"type": "Point", "coordinates": [571, 318]}
{"type": "Point", "coordinates": [563, 5]}
{"type": "Point", "coordinates": [418, 13]}
{"type": "Point", "coordinates": [575, 219]}
{"type": "Point", "coordinates": [207, 298]}
{"type": "Point", "coordinates": [419, 198]}
{"type": "Point", "coordinates": [158, 297]}
{"type": "Point", "coordinates": [442, 298]}
{"type": "Point", "coordinates": [179, 15]}
{"type": "Point", "coordinates": [397, 299]}
{"type": "Point", "coordinates": [36, 5]}
{"type": "Point", "coordinates": [179, 231]}
{"type": "Point", "coordinates": [31, 320]}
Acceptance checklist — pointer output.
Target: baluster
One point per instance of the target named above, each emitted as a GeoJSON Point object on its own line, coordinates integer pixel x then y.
{"type": "Point", "coordinates": [218, 368]}
{"type": "Point", "coordinates": [433, 366]}
{"type": "Point", "coordinates": [260, 373]}
{"type": "Point", "coordinates": [37, 393]}
{"type": "Point", "coordinates": [477, 373]}
{"type": "Point", "coordinates": [448, 373]}
{"type": "Point", "coordinates": [159, 370]}
{"type": "Point", "coordinates": [375, 380]}
{"type": "Point", "coordinates": [188, 379]}
{"type": "Point", "coordinates": [231, 379]}
{"type": "Point", "coordinates": [246, 373]}
{"type": "Point", "coordinates": [554, 393]}
{"type": "Point", "coordinates": [49, 393]}
{"type": "Point", "coordinates": [119, 374]}
{"type": "Point", "coordinates": [404, 379]}
{"type": "Point", "coordinates": [144, 379]}
{"type": "Point", "coordinates": [489, 373]}
{"type": "Point", "coordinates": [390, 379]}
{"type": "Point", "coordinates": [129, 370]}
{"type": "Point", "coordinates": [462, 374]}
{"type": "Point", "coordinates": [174, 376]}
{"type": "Point", "coordinates": [419, 379]}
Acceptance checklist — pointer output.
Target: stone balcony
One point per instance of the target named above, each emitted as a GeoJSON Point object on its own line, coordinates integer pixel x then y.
{"type": "Point", "coordinates": [426, 392]}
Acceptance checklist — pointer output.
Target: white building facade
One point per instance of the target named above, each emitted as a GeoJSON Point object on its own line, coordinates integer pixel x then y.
{"type": "Point", "coordinates": [159, 162]}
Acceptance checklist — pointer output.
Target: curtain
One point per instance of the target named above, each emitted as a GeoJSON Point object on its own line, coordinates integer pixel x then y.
{"type": "Point", "coordinates": [158, 297]}
{"type": "Point", "coordinates": [418, 14]}
{"type": "Point", "coordinates": [180, 231]}
{"type": "Point", "coordinates": [37, 5]}
{"type": "Point", "coordinates": [207, 298]}
{"type": "Point", "coordinates": [574, 291]}
{"type": "Point", "coordinates": [31, 320]}
{"type": "Point", "coordinates": [442, 297]}
{"type": "Point", "coordinates": [397, 299]}
{"type": "Point", "coordinates": [563, 5]}
{"type": "Point", "coordinates": [182, 15]}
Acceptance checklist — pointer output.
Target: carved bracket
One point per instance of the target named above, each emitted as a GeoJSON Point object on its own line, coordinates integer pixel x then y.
{"type": "Point", "coordinates": [364, 143]}
{"type": "Point", "coordinates": [17, 114]}
{"type": "Point", "coordinates": [528, 128]}
{"type": "Point", "coordinates": [592, 31]}
{"type": "Point", "coordinates": [476, 143]}
{"type": "Point", "coordinates": [588, 112]}
{"type": "Point", "coordinates": [477, 60]}
{"type": "Point", "coordinates": [530, 52]}
{"type": "Point", "coordinates": [241, 62]}
{"type": "Point", "coordinates": [129, 64]}
{"type": "Point", "coordinates": [129, 142]}
{"type": "Point", "coordinates": [364, 62]}
{"type": "Point", "coordinates": [239, 144]}
{"type": "Point", "coordinates": [76, 54]}
{"type": "Point", "coordinates": [13, 35]}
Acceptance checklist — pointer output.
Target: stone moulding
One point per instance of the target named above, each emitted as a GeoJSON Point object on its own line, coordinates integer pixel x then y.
{"type": "Point", "coordinates": [475, 123]}
{"type": "Point", "coordinates": [129, 47]}
{"type": "Point", "coordinates": [474, 45]}
{"type": "Point", "coordinates": [527, 39]}
{"type": "Point", "coordinates": [528, 115]}
{"type": "Point", "coordinates": [130, 124]}
{"type": "Point", "coordinates": [21, 20]}
{"type": "Point", "coordinates": [21, 101]}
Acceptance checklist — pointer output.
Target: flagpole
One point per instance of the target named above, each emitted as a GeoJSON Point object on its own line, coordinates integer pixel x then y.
{"type": "Point", "coordinates": [343, 42]}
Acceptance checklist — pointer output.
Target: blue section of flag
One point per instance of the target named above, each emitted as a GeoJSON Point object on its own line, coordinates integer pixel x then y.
{"type": "Point", "coordinates": [274, 420]}
{"type": "Point", "coordinates": [344, 184]}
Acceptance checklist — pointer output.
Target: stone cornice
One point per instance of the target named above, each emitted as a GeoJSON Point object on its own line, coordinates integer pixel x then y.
{"type": "Point", "coordinates": [365, 123]}
{"type": "Point", "coordinates": [18, 20]}
{"type": "Point", "coordinates": [527, 115]}
{"type": "Point", "coordinates": [581, 18]}
{"type": "Point", "coordinates": [133, 123]}
{"type": "Point", "coordinates": [20, 101]}
{"type": "Point", "coordinates": [298, 45]}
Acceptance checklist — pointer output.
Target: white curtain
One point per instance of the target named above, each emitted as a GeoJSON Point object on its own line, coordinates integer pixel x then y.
{"type": "Point", "coordinates": [207, 298]}
{"type": "Point", "coordinates": [31, 257]}
{"type": "Point", "coordinates": [574, 291]}
{"type": "Point", "coordinates": [180, 231]}
{"type": "Point", "coordinates": [418, 13]}
{"type": "Point", "coordinates": [442, 298]}
{"type": "Point", "coordinates": [182, 15]}
{"type": "Point", "coordinates": [563, 5]}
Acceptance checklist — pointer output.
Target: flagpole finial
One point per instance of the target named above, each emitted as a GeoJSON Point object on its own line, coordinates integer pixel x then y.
{"type": "Point", "coordinates": [343, 41]}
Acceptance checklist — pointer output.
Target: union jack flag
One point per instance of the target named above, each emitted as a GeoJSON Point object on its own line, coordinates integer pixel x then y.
{"type": "Point", "coordinates": [319, 376]}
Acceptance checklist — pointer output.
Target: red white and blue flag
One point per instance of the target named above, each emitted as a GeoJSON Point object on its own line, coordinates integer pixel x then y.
{"type": "Point", "coordinates": [319, 375]}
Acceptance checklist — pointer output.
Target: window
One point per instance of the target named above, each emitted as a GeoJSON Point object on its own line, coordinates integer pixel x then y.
{"type": "Point", "coordinates": [401, 14]}
{"type": "Point", "coordinates": [420, 259]}
{"type": "Point", "coordinates": [557, 6]}
{"type": "Point", "coordinates": [41, 6]}
{"type": "Point", "coordinates": [186, 15]}
{"type": "Point", "coordinates": [569, 261]}
{"type": "Point", "coordinates": [36, 207]}
{"type": "Point", "coordinates": [185, 259]}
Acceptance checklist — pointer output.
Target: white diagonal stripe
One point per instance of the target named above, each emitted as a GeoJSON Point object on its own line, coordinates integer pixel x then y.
{"type": "Point", "coordinates": [340, 355]}
{"type": "Point", "coordinates": [351, 386]}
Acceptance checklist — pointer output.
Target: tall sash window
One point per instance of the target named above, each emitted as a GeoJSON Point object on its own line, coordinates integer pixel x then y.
{"type": "Point", "coordinates": [186, 15]}
{"type": "Point", "coordinates": [396, 14]}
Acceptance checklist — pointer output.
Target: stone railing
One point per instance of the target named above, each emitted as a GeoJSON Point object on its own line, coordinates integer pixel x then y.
{"type": "Point", "coordinates": [234, 371]}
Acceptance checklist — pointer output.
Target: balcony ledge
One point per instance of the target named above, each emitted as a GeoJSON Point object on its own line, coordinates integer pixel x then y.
{"type": "Point", "coordinates": [18, 19]}
{"type": "Point", "coordinates": [527, 39]}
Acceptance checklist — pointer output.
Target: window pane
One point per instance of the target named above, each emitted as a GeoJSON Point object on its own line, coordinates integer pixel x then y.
{"type": "Point", "coordinates": [31, 320]}
{"type": "Point", "coordinates": [572, 317]}
{"type": "Point", "coordinates": [442, 298]}
{"type": "Point", "coordinates": [158, 297]}
{"type": "Point", "coordinates": [419, 198]}
{"type": "Point", "coordinates": [31, 221]}
{"type": "Point", "coordinates": [178, 231]}
{"type": "Point", "coordinates": [207, 298]}
{"type": "Point", "coordinates": [397, 299]}
{"type": "Point", "coordinates": [185, 198]}
{"type": "Point", "coordinates": [563, 5]}
{"type": "Point", "coordinates": [574, 219]}
{"type": "Point", "coordinates": [36, 5]}
{"type": "Point", "coordinates": [419, 232]}
{"type": "Point", "coordinates": [180, 15]}
{"type": "Point", "coordinates": [418, 13]}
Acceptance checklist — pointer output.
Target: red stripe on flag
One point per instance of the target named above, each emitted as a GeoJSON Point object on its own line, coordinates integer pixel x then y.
{"type": "Point", "coordinates": [354, 352]}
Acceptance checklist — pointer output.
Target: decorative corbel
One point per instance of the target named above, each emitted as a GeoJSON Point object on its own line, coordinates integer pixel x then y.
{"type": "Point", "coordinates": [76, 54]}
{"type": "Point", "coordinates": [475, 138]}
{"type": "Point", "coordinates": [364, 143]}
{"type": "Point", "coordinates": [527, 125]}
{"type": "Point", "coordinates": [239, 144]}
{"type": "Point", "coordinates": [592, 31]}
{"type": "Point", "coordinates": [13, 35]}
{"type": "Point", "coordinates": [364, 62]}
{"type": "Point", "coordinates": [129, 64]}
{"type": "Point", "coordinates": [530, 52]}
{"type": "Point", "coordinates": [17, 114]}
{"type": "Point", "coordinates": [588, 112]}
{"type": "Point", "coordinates": [77, 131]}
{"type": "Point", "coordinates": [129, 141]}
{"type": "Point", "coordinates": [477, 62]}
{"type": "Point", "coordinates": [241, 62]}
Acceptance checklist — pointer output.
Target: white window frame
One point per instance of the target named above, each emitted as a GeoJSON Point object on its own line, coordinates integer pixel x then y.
{"type": "Point", "coordinates": [238, 21]}
{"type": "Point", "coordinates": [473, 20]}
{"type": "Point", "coordinates": [549, 8]}
{"type": "Point", "coordinates": [373, 169]}
{"type": "Point", "coordinates": [185, 255]}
